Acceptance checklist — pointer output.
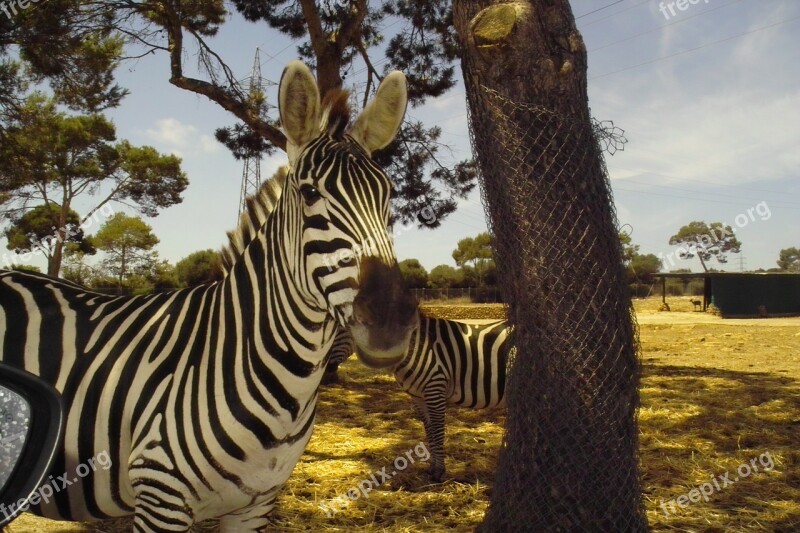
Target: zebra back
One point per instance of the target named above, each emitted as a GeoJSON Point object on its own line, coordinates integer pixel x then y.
{"type": "Point", "coordinates": [471, 359]}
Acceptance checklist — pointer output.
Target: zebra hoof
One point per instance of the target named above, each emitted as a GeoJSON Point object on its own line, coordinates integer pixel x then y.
{"type": "Point", "coordinates": [330, 378]}
{"type": "Point", "coordinates": [436, 473]}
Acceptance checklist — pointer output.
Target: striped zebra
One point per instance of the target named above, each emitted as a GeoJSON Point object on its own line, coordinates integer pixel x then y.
{"type": "Point", "coordinates": [204, 399]}
{"type": "Point", "coordinates": [447, 362]}
{"type": "Point", "coordinates": [341, 350]}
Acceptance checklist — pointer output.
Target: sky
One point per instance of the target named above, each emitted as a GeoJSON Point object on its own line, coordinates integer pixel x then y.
{"type": "Point", "coordinates": [708, 98]}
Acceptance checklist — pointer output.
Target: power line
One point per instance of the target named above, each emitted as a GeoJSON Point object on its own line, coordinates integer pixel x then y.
{"type": "Point", "coordinates": [694, 180]}
{"type": "Point", "coordinates": [618, 188]}
{"type": "Point", "coordinates": [714, 194]}
{"type": "Point", "coordinates": [695, 48]}
{"type": "Point", "coordinates": [598, 10]}
{"type": "Point", "coordinates": [657, 28]}
{"type": "Point", "coordinates": [615, 13]}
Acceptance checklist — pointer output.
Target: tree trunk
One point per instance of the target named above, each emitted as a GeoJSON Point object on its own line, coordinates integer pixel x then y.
{"type": "Point", "coordinates": [569, 460]}
{"type": "Point", "coordinates": [328, 69]}
{"type": "Point", "coordinates": [703, 263]}
{"type": "Point", "coordinates": [121, 269]}
{"type": "Point", "coordinates": [54, 262]}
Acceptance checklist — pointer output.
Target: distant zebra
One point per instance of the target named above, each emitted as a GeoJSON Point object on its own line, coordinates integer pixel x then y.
{"type": "Point", "coordinates": [447, 362]}
{"type": "Point", "coordinates": [205, 398]}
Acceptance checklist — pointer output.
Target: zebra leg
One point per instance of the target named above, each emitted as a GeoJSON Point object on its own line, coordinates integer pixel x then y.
{"type": "Point", "coordinates": [250, 519]}
{"type": "Point", "coordinates": [434, 405]}
{"type": "Point", "coordinates": [421, 411]}
{"type": "Point", "coordinates": [331, 374]}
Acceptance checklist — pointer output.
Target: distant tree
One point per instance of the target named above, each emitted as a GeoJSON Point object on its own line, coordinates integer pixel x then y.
{"type": "Point", "coordinates": [36, 231]}
{"type": "Point", "coordinates": [157, 275]}
{"type": "Point", "coordinates": [789, 260]}
{"type": "Point", "coordinates": [26, 268]}
{"type": "Point", "coordinates": [477, 253]}
{"type": "Point", "coordinates": [414, 274]}
{"type": "Point", "coordinates": [75, 268]}
{"type": "Point", "coordinates": [63, 45]}
{"type": "Point", "coordinates": [49, 157]}
{"type": "Point", "coordinates": [198, 268]}
{"type": "Point", "coordinates": [445, 277]}
{"type": "Point", "coordinates": [629, 250]}
{"type": "Point", "coordinates": [706, 241]}
{"type": "Point", "coordinates": [642, 267]}
{"type": "Point", "coordinates": [638, 268]}
{"type": "Point", "coordinates": [128, 245]}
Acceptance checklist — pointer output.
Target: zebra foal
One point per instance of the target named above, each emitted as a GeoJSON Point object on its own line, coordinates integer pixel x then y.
{"type": "Point", "coordinates": [205, 398]}
{"type": "Point", "coordinates": [447, 362]}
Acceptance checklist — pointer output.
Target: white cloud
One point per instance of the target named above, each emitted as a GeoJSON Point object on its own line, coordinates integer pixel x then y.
{"type": "Point", "coordinates": [725, 138]}
{"type": "Point", "coordinates": [718, 114]}
{"type": "Point", "coordinates": [181, 139]}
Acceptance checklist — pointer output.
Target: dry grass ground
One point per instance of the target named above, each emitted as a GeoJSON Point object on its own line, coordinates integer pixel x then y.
{"type": "Point", "coordinates": [716, 394]}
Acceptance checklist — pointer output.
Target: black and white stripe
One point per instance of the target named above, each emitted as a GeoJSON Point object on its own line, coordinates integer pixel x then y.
{"type": "Point", "coordinates": [447, 362]}
{"type": "Point", "coordinates": [204, 398]}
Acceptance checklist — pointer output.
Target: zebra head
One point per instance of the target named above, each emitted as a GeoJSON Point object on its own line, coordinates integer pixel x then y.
{"type": "Point", "coordinates": [337, 200]}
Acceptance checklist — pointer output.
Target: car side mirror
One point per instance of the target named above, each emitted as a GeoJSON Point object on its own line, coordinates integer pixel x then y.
{"type": "Point", "coordinates": [31, 420]}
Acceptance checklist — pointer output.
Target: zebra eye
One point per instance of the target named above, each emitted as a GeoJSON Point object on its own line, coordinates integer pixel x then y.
{"type": "Point", "coordinates": [310, 194]}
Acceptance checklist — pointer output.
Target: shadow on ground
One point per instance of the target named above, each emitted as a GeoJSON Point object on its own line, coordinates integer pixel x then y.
{"type": "Point", "coordinates": [701, 425]}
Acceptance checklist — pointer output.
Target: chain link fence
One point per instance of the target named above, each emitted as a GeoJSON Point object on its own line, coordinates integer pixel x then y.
{"type": "Point", "coordinates": [573, 397]}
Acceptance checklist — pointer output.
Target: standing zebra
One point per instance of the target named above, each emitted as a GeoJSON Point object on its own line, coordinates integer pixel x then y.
{"type": "Point", "coordinates": [447, 362]}
{"type": "Point", "coordinates": [204, 398]}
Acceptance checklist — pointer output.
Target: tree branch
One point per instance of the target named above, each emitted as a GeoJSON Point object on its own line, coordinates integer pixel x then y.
{"type": "Point", "coordinates": [351, 28]}
{"type": "Point", "coordinates": [370, 69]}
{"type": "Point", "coordinates": [120, 184]}
{"type": "Point", "coordinates": [220, 95]}
{"type": "Point", "coordinates": [319, 41]}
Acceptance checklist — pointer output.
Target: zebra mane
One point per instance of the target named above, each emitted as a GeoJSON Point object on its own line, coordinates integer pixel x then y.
{"type": "Point", "coordinates": [259, 206]}
{"type": "Point", "coordinates": [335, 113]}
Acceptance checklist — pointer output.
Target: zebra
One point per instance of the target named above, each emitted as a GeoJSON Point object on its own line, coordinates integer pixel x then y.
{"type": "Point", "coordinates": [204, 398]}
{"type": "Point", "coordinates": [447, 362]}
{"type": "Point", "coordinates": [341, 350]}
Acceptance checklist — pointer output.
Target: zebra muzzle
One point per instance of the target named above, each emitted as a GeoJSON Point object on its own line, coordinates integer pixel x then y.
{"type": "Point", "coordinates": [384, 314]}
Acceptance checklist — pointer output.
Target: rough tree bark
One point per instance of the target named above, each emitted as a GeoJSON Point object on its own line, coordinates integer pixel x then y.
{"type": "Point", "coordinates": [569, 459]}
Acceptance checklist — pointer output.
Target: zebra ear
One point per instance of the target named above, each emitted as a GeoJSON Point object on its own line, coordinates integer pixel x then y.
{"type": "Point", "coordinates": [377, 125]}
{"type": "Point", "coordinates": [298, 104]}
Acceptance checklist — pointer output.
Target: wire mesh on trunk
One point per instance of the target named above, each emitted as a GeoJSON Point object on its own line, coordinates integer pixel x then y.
{"type": "Point", "coordinates": [572, 394]}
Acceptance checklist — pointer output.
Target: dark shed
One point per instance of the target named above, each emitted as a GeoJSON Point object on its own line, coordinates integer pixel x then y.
{"type": "Point", "coordinates": [747, 294]}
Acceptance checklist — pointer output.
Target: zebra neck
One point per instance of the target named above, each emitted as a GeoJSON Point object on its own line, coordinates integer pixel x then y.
{"type": "Point", "coordinates": [273, 318]}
